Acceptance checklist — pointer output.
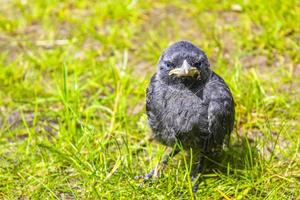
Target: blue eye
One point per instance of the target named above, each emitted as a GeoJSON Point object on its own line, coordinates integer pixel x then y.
{"type": "Point", "coordinates": [169, 64]}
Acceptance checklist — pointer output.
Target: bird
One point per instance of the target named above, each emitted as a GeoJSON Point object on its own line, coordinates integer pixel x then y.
{"type": "Point", "coordinates": [188, 104]}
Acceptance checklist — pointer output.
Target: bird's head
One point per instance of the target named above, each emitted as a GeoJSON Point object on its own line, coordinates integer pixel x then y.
{"type": "Point", "coordinates": [183, 61]}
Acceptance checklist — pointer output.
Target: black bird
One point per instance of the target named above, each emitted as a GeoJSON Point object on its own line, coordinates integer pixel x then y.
{"type": "Point", "coordinates": [188, 104]}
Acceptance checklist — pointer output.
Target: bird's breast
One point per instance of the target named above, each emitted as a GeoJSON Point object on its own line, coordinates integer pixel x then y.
{"type": "Point", "coordinates": [183, 111]}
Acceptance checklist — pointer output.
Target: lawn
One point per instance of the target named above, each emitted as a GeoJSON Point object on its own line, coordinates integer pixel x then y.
{"type": "Point", "coordinates": [73, 76]}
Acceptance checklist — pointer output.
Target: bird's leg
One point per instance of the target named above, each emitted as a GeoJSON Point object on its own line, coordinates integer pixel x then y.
{"type": "Point", "coordinates": [196, 172]}
{"type": "Point", "coordinates": [160, 166]}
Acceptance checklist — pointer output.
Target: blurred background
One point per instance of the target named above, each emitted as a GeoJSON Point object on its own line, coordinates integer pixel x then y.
{"type": "Point", "coordinates": [73, 76]}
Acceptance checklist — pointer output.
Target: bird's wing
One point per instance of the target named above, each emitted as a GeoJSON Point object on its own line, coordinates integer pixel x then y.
{"type": "Point", "coordinates": [151, 109]}
{"type": "Point", "coordinates": [220, 121]}
{"type": "Point", "coordinates": [149, 93]}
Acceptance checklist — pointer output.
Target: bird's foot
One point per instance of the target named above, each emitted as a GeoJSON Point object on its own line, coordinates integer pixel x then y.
{"type": "Point", "coordinates": [154, 173]}
{"type": "Point", "coordinates": [145, 177]}
{"type": "Point", "coordinates": [196, 177]}
{"type": "Point", "coordinates": [196, 180]}
{"type": "Point", "coordinates": [195, 187]}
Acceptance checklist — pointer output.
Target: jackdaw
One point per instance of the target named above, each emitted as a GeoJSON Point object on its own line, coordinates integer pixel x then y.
{"type": "Point", "coordinates": [188, 104]}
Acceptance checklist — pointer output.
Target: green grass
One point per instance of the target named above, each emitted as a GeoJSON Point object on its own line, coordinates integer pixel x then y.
{"type": "Point", "coordinates": [73, 76]}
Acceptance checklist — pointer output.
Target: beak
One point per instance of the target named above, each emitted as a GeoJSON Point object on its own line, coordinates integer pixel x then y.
{"type": "Point", "coordinates": [186, 70]}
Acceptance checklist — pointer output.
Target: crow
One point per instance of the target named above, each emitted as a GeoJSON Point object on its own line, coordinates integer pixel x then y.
{"type": "Point", "coordinates": [188, 104]}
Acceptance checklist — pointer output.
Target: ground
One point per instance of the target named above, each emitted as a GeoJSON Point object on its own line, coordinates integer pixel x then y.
{"type": "Point", "coordinates": [73, 76]}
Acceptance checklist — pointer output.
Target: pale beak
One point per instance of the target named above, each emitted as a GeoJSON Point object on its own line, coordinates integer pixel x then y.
{"type": "Point", "coordinates": [185, 70]}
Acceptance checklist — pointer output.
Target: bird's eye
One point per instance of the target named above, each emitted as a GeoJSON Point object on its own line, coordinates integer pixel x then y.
{"type": "Point", "coordinates": [169, 64]}
{"type": "Point", "coordinates": [198, 64]}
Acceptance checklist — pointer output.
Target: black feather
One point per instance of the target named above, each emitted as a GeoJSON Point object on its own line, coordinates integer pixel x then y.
{"type": "Point", "coordinates": [198, 113]}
